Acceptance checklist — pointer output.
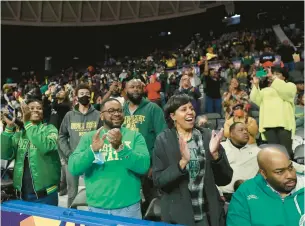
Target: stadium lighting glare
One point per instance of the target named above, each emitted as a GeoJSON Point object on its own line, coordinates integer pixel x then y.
{"type": "Point", "coordinates": [169, 33]}
{"type": "Point", "coordinates": [236, 15]}
{"type": "Point", "coordinates": [225, 17]}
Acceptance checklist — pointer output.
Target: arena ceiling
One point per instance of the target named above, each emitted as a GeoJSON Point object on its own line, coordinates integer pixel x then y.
{"type": "Point", "coordinates": [98, 13]}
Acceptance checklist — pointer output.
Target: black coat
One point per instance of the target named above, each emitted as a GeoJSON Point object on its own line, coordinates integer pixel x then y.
{"type": "Point", "coordinates": [176, 206]}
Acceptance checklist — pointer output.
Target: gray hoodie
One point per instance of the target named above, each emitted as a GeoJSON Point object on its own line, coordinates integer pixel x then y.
{"type": "Point", "coordinates": [74, 126]}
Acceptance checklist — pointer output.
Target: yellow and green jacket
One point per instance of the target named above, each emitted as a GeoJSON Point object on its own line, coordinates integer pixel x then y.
{"type": "Point", "coordinates": [39, 142]}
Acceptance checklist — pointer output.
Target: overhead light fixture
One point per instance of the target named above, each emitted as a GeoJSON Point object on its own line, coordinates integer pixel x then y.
{"type": "Point", "coordinates": [169, 33]}
{"type": "Point", "coordinates": [75, 58]}
{"type": "Point", "coordinates": [225, 17]}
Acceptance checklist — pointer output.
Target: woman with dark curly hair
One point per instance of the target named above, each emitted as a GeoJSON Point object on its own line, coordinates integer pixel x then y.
{"type": "Point", "coordinates": [187, 165]}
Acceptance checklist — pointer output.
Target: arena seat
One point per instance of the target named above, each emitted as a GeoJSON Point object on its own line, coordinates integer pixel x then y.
{"type": "Point", "coordinates": [154, 210]}
{"type": "Point", "coordinates": [299, 154]}
{"type": "Point", "coordinates": [80, 199]}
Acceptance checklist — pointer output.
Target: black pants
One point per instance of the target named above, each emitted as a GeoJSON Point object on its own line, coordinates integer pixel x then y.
{"type": "Point", "coordinates": [280, 136]}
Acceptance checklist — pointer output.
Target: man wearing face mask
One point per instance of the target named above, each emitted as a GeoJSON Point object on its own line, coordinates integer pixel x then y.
{"type": "Point", "coordinates": [82, 119]}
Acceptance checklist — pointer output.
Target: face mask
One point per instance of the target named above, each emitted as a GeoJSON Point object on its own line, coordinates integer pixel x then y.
{"type": "Point", "coordinates": [84, 100]}
{"type": "Point", "coordinates": [239, 113]}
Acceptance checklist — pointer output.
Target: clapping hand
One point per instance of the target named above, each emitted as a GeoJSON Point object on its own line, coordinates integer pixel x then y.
{"type": "Point", "coordinates": [185, 153]}
{"type": "Point", "coordinates": [114, 137]}
{"type": "Point", "coordinates": [26, 113]}
{"type": "Point", "coordinates": [215, 143]}
{"type": "Point", "coordinates": [97, 142]}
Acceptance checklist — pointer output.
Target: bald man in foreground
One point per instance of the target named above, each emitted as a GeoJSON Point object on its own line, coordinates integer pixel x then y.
{"type": "Point", "coordinates": [274, 197]}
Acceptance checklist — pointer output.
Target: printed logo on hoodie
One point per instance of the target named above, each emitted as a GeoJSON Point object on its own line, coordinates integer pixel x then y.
{"type": "Point", "coordinates": [132, 120]}
{"type": "Point", "coordinates": [83, 128]}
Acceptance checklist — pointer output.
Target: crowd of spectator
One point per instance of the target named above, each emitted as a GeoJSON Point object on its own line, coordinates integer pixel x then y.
{"type": "Point", "coordinates": [145, 124]}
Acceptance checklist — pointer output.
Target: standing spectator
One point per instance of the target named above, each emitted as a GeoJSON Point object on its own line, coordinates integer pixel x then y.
{"type": "Point", "coordinates": [110, 158]}
{"type": "Point", "coordinates": [187, 166]}
{"type": "Point", "coordinates": [277, 189]}
{"type": "Point", "coordinates": [146, 118]}
{"type": "Point", "coordinates": [242, 77]}
{"type": "Point", "coordinates": [286, 51]}
{"type": "Point", "coordinates": [115, 92]}
{"type": "Point", "coordinates": [276, 114]}
{"type": "Point", "coordinates": [60, 107]}
{"type": "Point", "coordinates": [187, 88]}
{"type": "Point", "coordinates": [153, 90]}
{"type": "Point", "coordinates": [34, 149]}
{"type": "Point", "coordinates": [233, 97]}
{"type": "Point", "coordinates": [82, 119]}
{"type": "Point", "coordinates": [212, 91]}
{"type": "Point", "coordinates": [266, 56]}
{"type": "Point", "coordinates": [240, 116]}
{"type": "Point", "coordinates": [247, 61]}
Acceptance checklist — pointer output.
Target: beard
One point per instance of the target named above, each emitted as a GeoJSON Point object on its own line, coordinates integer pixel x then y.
{"type": "Point", "coordinates": [115, 94]}
{"type": "Point", "coordinates": [111, 125]}
{"type": "Point", "coordinates": [281, 187]}
{"type": "Point", "coordinates": [135, 98]}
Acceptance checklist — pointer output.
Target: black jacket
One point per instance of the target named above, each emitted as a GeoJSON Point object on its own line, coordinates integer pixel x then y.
{"type": "Point", "coordinates": [176, 206]}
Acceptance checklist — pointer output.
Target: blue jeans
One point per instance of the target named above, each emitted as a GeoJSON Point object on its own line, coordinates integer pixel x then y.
{"type": "Point", "coordinates": [51, 199]}
{"type": "Point", "coordinates": [212, 105]}
{"type": "Point", "coordinates": [290, 65]}
{"type": "Point", "coordinates": [133, 211]}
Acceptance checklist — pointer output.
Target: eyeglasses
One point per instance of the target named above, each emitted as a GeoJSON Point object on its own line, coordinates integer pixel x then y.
{"type": "Point", "coordinates": [112, 111]}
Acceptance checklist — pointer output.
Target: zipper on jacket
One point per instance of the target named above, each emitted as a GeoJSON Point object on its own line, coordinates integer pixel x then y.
{"type": "Point", "coordinates": [31, 174]}
{"type": "Point", "coordinates": [22, 176]}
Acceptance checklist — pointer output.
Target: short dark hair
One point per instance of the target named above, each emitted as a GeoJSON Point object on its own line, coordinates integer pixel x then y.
{"type": "Point", "coordinates": [82, 86]}
{"type": "Point", "coordinates": [107, 100]}
{"type": "Point", "coordinates": [232, 127]}
{"type": "Point", "coordinates": [34, 100]}
{"type": "Point", "coordinates": [173, 104]}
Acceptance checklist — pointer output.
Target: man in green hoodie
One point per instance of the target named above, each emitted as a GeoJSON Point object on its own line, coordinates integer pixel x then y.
{"type": "Point", "coordinates": [274, 197]}
{"type": "Point", "coordinates": [82, 119]}
{"type": "Point", "coordinates": [112, 158]}
{"type": "Point", "coordinates": [145, 117]}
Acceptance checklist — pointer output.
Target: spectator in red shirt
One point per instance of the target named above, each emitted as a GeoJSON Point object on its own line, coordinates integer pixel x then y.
{"type": "Point", "coordinates": [153, 90]}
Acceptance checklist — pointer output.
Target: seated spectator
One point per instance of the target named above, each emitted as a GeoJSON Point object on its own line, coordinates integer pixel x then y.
{"type": "Point", "coordinates": [277, 189]}
{"type": "Point", "coordinates": [276, 102]}
{"type": "Point", "coordinates": [242, 77]}
{"type": "Point", "coordinates": [110, 158]}
{"type": "Point", "coordinates": [241, 156]}
{"type": "Point", "coordinates": [187, 166]}
{"type": "Point", "coordinates": [299, 111]}
{"type": "Point", "coordinates": [239, 115]}
{"type": "Point", "coordinates": [153, 90]}
{"type": "Point", "coordinates": [233, 97]}
{"type": "Point", "coordinates": [187, 88]}
{"type": "Point", "coordinates": [34, 149]}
